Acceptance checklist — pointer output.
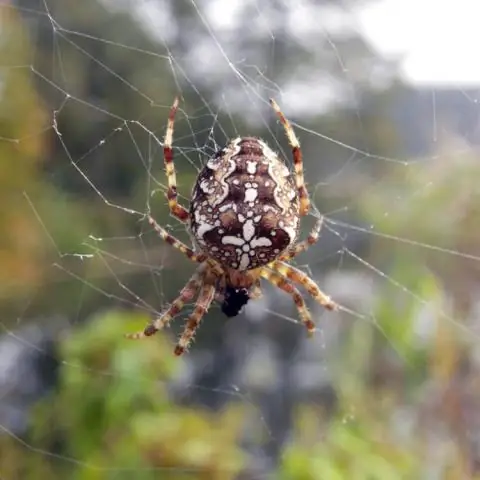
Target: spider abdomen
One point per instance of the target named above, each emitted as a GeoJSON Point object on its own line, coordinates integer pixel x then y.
{"type": "Point", "coordinates": [245, 208]}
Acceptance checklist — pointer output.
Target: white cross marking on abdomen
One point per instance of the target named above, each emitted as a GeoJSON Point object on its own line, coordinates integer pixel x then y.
{"type": "Point", "coordinates": [248, 243]}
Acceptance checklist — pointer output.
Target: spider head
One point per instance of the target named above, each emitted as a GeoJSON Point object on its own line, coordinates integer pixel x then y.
{"type": "Point", "coordinates": [234, 299]}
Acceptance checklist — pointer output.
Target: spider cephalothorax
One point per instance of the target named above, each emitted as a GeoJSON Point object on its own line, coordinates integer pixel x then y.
{"type": "Point", "coordinates": [234, 299]}
{"type": "Point", "coordinates": [244, 220]}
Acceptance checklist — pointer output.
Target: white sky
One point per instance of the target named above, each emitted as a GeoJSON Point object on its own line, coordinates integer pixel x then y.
{"type": "Point", "coordinates": [438, 40]}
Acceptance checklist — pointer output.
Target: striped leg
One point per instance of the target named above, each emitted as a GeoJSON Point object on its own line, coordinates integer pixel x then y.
{"type": "Point", "coordinates": [280, 282]}
{"type": "Point", "coordinates": [256, 290]}
{"type": "Point", "coordinates": [186, 295]}
{"type": "Point", "coordinates": [305, 244]}
{"type": "Point", "coordinates": [207, 294]}
{"type": "Point", "coordinates": [175, 208]}
{"type": "Point", "coordinates": [171, 240]}
{"type": "Point", "coordinates": [297, 159]}
{"type": "Point", "coordinates": [297, 276]}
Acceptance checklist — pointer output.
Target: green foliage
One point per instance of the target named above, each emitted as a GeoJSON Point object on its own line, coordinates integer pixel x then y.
{"type": "Point", "coordinates": [35, 219]}
{"type": "Point", "coordinates": [110, 416]}
{"type": "Point", "coordinates": [111, 413]}
{"type": "Point", "coordinates": [384, 371]}
{"type": "Point", "coordinates": [432, 219]}
{"type": "Point", "coordinates": [21, 117]}
{"type": "Point", "coordinates": [359, 448]}
{"type": "Point", "coordinates": [380, 376]}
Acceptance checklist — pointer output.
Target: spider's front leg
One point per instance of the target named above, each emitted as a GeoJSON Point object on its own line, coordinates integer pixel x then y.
{"type": "Point", "coordinates": [172, 195]}
{"type": "Point", "coordinates": [280, 282]}
{"type": "Point", "coordinates": [256, 290]}
{"type": "Point", "coordinates": [207, 294]}
{"type": "Point", "coordinates": [297, 276]}
{"type": "Point", "coordinates": [186, 295]}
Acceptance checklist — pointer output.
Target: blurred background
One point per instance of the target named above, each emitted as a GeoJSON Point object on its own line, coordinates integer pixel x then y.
{"type": "Point", "coordinates": [384, 98]}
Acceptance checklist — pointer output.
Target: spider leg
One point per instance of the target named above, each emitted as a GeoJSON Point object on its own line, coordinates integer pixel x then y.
{"type": "Point", "coordinates": [297, 276]}
{"type": "Point", "coordinates": [174, 242]}
{"type": "Point", "coordinates": [186, 295]}
{"type": "Point", "coordinates": [207, 294]}
{"type": "Point", "coordinates": [297, 159]}
{"type": "Point", "coordinates": [256, 290]}
{"type": "Point", "coordinates": [304, 244]}
{"type": "Point", "coordinates": [280, 282]}
{"type": "Point", "coordinates": [175, 208]}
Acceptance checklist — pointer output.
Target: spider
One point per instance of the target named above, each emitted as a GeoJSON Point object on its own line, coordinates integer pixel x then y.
{"type": "Point", "coordinates": [244, 221]}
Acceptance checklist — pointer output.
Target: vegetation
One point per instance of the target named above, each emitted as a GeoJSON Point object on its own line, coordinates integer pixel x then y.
{"type": "Point", "coordinates": [85, 92]}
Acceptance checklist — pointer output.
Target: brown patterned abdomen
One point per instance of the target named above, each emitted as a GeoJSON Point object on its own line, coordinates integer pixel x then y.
{"type": "Point", "coordinates": [245, 209]}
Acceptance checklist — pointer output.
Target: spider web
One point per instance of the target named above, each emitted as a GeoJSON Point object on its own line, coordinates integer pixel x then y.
{"type": "Point", "coordinates": [86, 89]}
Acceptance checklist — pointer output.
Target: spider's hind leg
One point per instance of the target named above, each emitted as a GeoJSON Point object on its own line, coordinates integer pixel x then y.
{"type": "Point", "coordinates": [176, 243]}
{"type": "Point", "coordinates": [304, 244]}
{"type": "Point", "coordinates": [297, 159]}
{"type": "Point", "coordinates": [172, 195]}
